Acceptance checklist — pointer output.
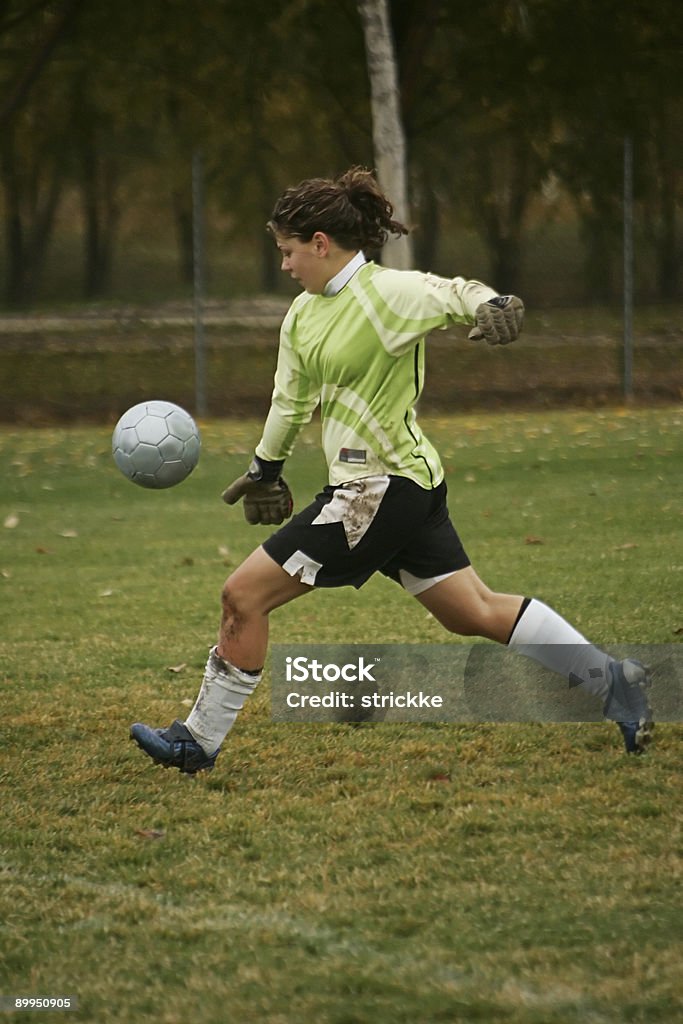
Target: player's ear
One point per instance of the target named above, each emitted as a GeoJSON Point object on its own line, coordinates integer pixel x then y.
{"type": "Point", "coordinates": [321, 243]}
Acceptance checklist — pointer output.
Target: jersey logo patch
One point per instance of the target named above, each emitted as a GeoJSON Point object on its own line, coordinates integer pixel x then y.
{"type": "Point", "coordinates": [356, 456]}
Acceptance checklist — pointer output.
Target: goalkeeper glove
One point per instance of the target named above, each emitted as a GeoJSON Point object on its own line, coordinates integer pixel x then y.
{"type": "Point", "coordinates": [499, 320]}
{"type": "Point", "coordinates": [267, 498]}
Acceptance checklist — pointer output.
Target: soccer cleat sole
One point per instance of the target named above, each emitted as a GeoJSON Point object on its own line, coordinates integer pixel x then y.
{"type": "Point", "coordinates": [167, 765]}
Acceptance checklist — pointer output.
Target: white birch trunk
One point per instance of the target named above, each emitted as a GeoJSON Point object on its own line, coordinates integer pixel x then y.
{"type": "Point", "coordinates": [387, 125]}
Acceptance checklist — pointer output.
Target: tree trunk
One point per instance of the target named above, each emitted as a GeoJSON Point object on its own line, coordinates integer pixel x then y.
{"type": "Point", "coordinates": [504, 176]}
{"type": "Point", "coordinates": [602, 244]}
{"type": "Point", "coordinates": [667, 173]}
{"type": "Point", "coordinates": [14, 232]}
{"type": "Point", "coordinates": [668, 279]}
{"type": "Point", "coordinates": [387, 127]}
{"type": "Point", "coordinates": [506, 264]}
{"type": "Point", "coordinates": [18, 92]}
{"type": "Point", "coordinates": [100, 214]}
{"type": "Point", "coordinates": [181, 190]}
{"type": "Point", "coordinates": [426, 242]}
{"type": "Point", "coordinates": [182, 215]}
{"type": "Point", "coordinates": [32, 195]}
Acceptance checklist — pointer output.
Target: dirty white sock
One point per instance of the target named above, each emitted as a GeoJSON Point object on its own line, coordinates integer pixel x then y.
{"type": "Point", "coordinates": [540, 633]}
{"type": "Point", "coordinates": [221, 697]}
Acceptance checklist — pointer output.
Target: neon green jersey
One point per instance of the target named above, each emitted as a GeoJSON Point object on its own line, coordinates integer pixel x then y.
{"type": "Point", "coordinates": [360, 354]}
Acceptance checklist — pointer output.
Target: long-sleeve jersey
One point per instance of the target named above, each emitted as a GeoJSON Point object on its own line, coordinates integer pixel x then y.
{"type": "Point", "coordinates": [360, 354]}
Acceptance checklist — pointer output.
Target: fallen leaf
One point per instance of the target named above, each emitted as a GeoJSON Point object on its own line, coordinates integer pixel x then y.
{"type": "Point", "coordinates": [69, 533]}
{"type": "Point", "coordinates": [105, 593]}
{"type": "Point", "coordinates": [187, 703]}
{"type": "Point", "coordinates": [6, 574]}
{"type": "Point", "coordinates": [531, 539]}
{"type": "Point", "coordinates": [625, 547]}
{"type": "Point", "coordinates": [223, 551]}
{"type": "Point", "coordinates": [43, 551]}
{"type": "Point", "coordinates": [176, 668]}
{"type": "Point", "coordinates": [150, 833]}
{"type": "Point", "coordinates": [11, 521]}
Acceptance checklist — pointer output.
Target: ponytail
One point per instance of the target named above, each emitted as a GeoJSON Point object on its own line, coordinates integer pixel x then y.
{"type": "Point", "coordinates": [350, 209]}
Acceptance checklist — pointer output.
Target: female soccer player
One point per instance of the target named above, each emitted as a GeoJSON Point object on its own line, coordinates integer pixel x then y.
{"type": "Point", "coordinates": [353, 342]}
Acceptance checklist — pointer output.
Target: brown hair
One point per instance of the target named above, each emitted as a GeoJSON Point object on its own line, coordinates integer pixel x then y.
{"type": "Point", "coordinates": [350, 209]}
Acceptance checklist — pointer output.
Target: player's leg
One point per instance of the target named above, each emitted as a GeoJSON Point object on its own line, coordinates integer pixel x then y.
{"type": "Point", "coordinates": [250, 593]}
{"type": "Point", "coordinates": [435, 568]}
{"type": "Point", "coordinates": [235, 665]}
{"type": "Point", "coordinates": [463, 604]}
{"type": "Point", "coordinates": [340, 539]}
{"type": "Point", "coordinates": [233, 669]}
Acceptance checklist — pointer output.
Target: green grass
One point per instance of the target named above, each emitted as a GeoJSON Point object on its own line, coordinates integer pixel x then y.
{"type": "Point", "coordinates": [384, 874]}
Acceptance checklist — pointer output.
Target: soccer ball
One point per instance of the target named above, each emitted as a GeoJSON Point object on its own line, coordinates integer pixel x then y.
{"type": "Point", "coordinates": [156, 444]}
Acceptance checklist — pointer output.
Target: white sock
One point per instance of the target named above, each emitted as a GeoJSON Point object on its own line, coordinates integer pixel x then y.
{"type": "Point", "coordinates": [542, 634]}
{"type": "Point", "coordinates": [221, 697]}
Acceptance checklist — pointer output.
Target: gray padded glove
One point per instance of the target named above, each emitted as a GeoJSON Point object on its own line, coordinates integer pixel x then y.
{"type": "Point", "coordinates": [499, 320]}
{"type": "Point", "coordinates": [267, 498]}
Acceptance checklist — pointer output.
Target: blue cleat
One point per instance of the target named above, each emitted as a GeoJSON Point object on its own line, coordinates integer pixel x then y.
{"type": "Point", "coordinates": [627, 704]}
{"type": "Point", "coordinates": [174, 747]}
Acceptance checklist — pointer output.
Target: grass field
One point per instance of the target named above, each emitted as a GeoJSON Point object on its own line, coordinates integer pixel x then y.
{"type": "Point", "coordinates": [381, 874]}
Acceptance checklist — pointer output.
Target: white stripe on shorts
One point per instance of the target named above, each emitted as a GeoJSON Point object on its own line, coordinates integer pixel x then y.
{"type": "Point", "coordinates": [302, 565]}
{"type": "Point", "coordinates": [414, 585]}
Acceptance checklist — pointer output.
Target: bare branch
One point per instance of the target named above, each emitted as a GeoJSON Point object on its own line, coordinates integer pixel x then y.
{"type": "Point", "coordinates": [40, 58]}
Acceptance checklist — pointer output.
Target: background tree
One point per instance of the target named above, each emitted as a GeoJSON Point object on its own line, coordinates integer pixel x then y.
{"type": "Point", "coordinates": [33, 166]}
{"type": "Point", "coordinates": [104, 107]}
{"type": "Point", "coordinates": [387, 122]}
{"type": "Point", "coordinates": [41, 25]}
{"type": "Point", "coordinates": [611, 72]}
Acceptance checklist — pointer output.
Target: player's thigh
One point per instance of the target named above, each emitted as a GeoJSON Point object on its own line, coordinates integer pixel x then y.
{"type": "Point", "coordinates": [463, 604]}
{"type": "Point", "coordinates": [259, 585]}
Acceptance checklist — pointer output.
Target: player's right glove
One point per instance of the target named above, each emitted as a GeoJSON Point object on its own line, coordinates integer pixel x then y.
{"type": "Point", "coordinates": [499, 320]}
{"type": "Point", "coordinates": [267, 498]}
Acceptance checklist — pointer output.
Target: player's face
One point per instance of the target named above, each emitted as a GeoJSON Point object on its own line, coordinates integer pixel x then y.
{"type": "Point", "coordinates": [305, 262]}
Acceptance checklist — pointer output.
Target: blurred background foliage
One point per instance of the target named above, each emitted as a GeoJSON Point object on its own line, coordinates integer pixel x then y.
{"type": "Point", "coordinates": [515, 115]}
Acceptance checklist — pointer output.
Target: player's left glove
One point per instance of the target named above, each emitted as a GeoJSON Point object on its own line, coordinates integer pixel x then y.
{"type": "Point", "coordinates": [267, 498]}
{"type": "Point", "coordinates": [499, 320]}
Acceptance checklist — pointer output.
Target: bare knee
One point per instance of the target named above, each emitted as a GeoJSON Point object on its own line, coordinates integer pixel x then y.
{"type": "Point", "coordinates": [257, 587]}
{"type": "Point", "coordinates": [237, 598]}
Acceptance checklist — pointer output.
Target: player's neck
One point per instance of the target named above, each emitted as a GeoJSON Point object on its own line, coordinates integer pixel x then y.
{"type": "Point", "coordinates": [346, 268]}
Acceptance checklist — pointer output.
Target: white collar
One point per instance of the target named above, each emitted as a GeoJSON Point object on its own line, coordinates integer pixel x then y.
{"type": "Point", "coordinates": [336, 283]}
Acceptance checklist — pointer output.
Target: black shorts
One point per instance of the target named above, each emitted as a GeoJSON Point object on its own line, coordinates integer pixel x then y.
{"type": "Point", "coordinates": [383, 523]}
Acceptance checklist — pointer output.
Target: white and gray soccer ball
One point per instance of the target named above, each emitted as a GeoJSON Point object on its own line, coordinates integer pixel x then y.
{"type": "Point", "coordinates": [156, 444]}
